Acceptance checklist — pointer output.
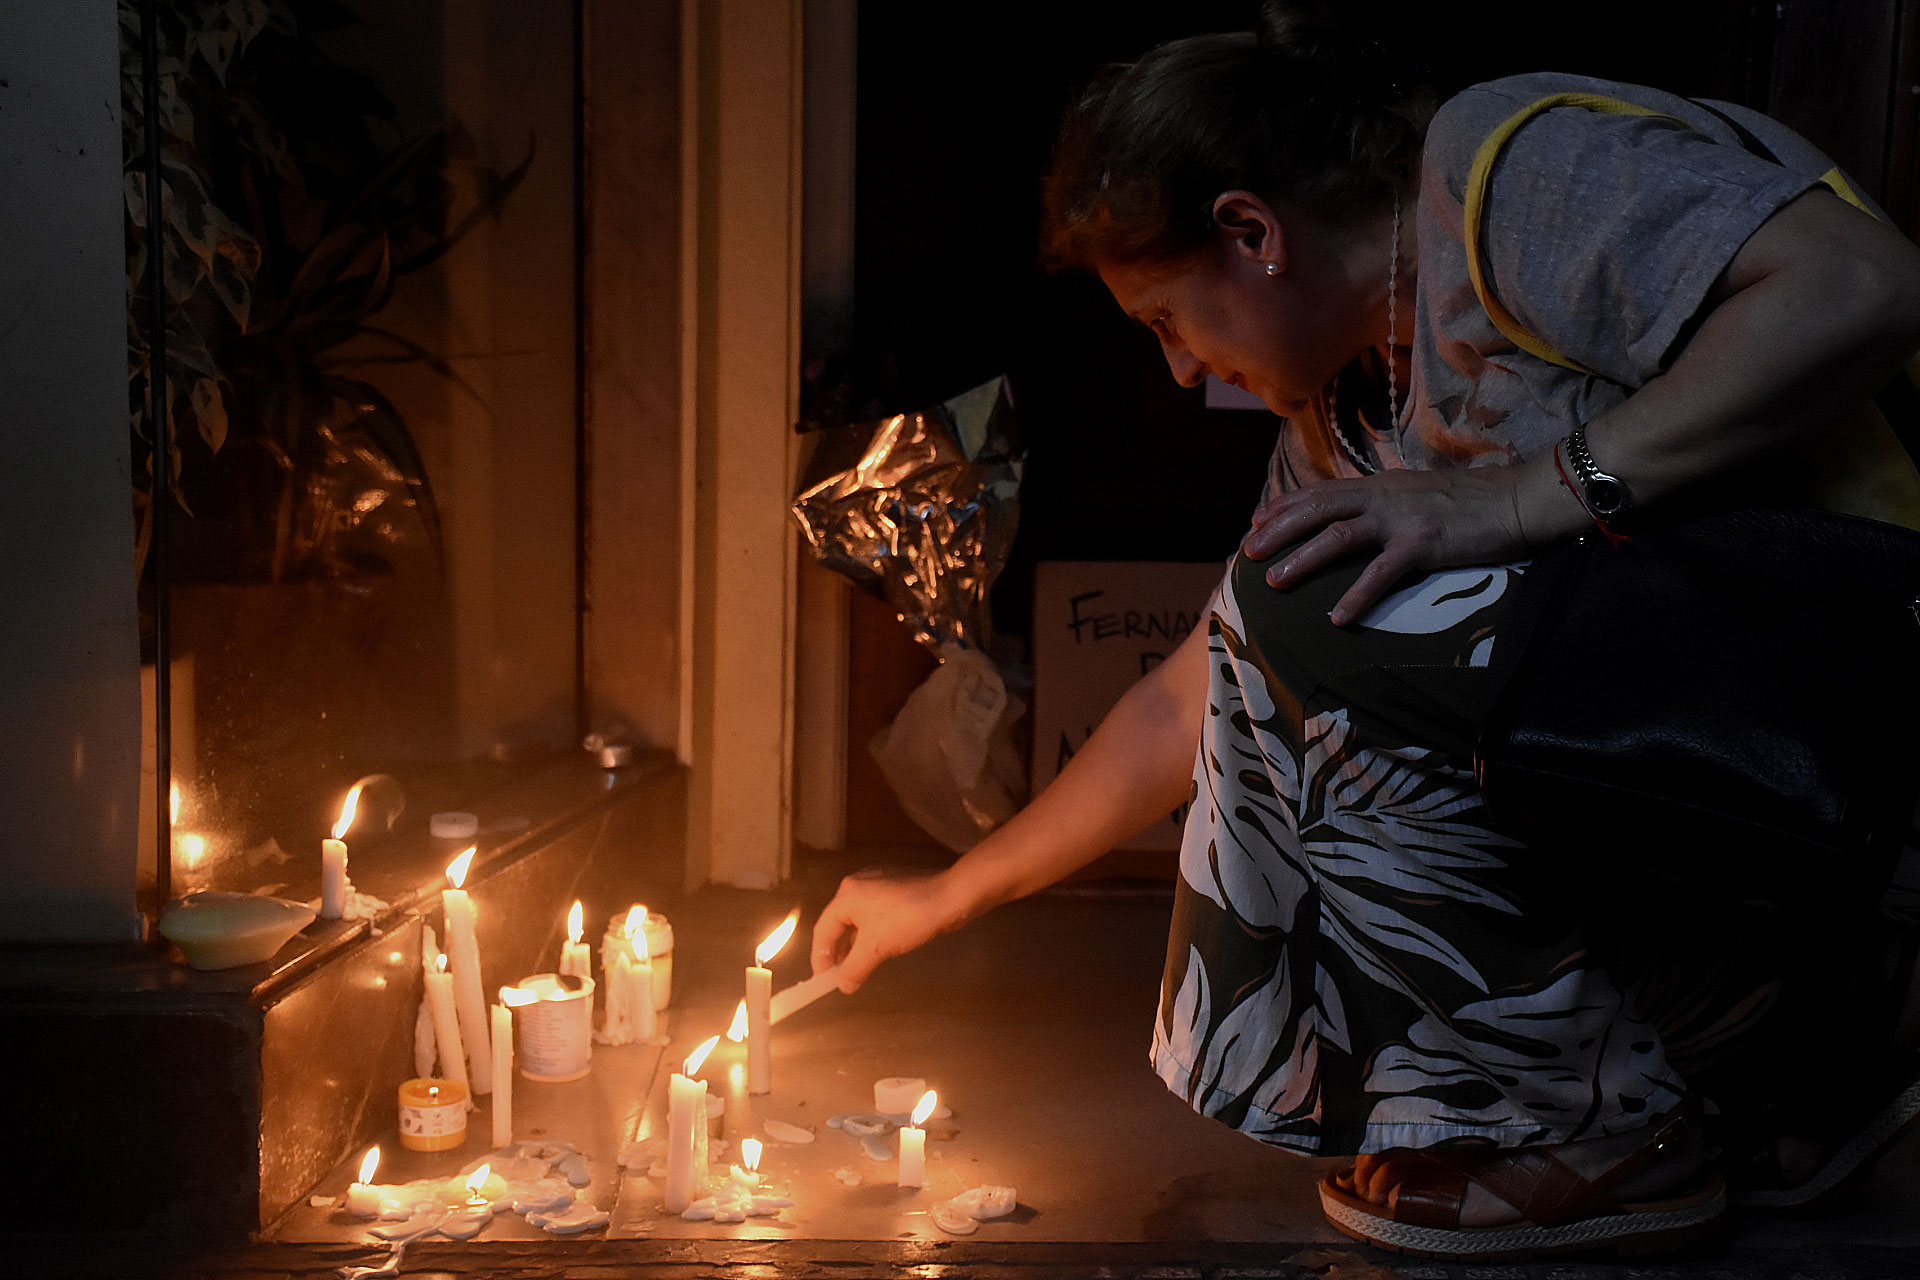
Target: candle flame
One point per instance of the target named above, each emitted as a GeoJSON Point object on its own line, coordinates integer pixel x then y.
{"type": "Point", "coordinates": [737, 1031]}
{"type": "Point", "coordinates": [770, 947]}
{"type": "Point", "coordinates": [368, 1163]}
{"type": "Point", "coordinates": [924, 1108]}
{"type": "Point", "coordinates": [348, 808]}
{"type": "Point", "coordinates": [478, 1179]}
{"type": "Point", "coordinates": [173, 802]}
{"type": "Point", "coordinates": [636, 922]}
{"type": "Point", "coordinates": [514, 997]}
{"type": "Point", "coordinates": [573, 923]}
{"type": "Point", "coordinates": [699, 1055]}
{"type": "Point", "coordinates": [750, 1153]}
{"type": "Point", "coordinates": [441, 960]}
{"type": "Point", "coordinates": [457, 869]}
{"type": "Point", "coordinates": [193, 848]}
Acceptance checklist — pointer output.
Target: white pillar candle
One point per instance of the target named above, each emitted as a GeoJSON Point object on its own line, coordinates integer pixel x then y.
{"type": "Point", "coordinates": [333, 879]}
{"type": "Point", "coordinates": [760, 1003]}
{"type": "Point", "coordinates": [759, 1030]}
{"type": "Point", "coordinates": [463, 956]}
{"type": "Point", "coordinates": [687, 1132]}
{"type": "Point", "coordinates": [640, 1000]}
{"type": "Point", "coordinates": [502, 1073]}
{"type": "Point", "coordinates": [913, 1142]}
{"type": "Point", "coordinates": [363, 1198]}
{"type": "Point", "coordinates": [576, 957]}
{"type": "Point", "coordinates": [334, 886]}
{"type": "Point", "coordinates": [446, 1025]}
{"type": "Point", "coordinates": [619, 1017]}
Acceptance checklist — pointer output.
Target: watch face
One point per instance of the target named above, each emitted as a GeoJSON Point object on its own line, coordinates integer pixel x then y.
{"type": "Point", "coordinates": [1606, 496]}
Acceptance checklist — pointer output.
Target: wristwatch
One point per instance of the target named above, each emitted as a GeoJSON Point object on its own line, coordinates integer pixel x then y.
{"type": "Point", "coordinates": [1606, 497]}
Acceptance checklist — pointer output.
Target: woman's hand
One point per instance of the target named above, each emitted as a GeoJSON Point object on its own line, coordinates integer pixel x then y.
{"type": "Point", "coordinates": [1419, 520]}
{"type": "Point", "coordinates": [878, 915]}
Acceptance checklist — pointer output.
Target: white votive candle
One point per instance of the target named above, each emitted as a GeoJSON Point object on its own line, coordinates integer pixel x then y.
{"type": "Point", "coordinates": [759, 1006]}
{"type": "Point", "coordinates": [463, 957]}
{"type": "Point", "coordinates": [334, 886]}
{"type": "Point", "coordinates": [446, 1025]}
{"type": "Point", "coordinates": [687, 1132]}
{"type": "Point", "coordinates": [913, 1143]}
{"type": "Point", "coordinates": [363, 1198]}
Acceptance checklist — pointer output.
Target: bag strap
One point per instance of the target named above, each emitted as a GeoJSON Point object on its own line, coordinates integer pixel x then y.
{"type": "Point", "coordinates": [1480, 180]}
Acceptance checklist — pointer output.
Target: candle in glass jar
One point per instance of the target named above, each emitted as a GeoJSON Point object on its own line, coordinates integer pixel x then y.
{"type": "Point", "coordinates": [687, 1132]}
{"type": "Point", "coordinates": [463, 955]}
{"type": "Point", "coordinates": [642, 935]}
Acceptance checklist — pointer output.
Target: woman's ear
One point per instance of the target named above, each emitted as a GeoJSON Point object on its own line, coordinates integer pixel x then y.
{"type": "Point", "coordinates": [1250, 229]}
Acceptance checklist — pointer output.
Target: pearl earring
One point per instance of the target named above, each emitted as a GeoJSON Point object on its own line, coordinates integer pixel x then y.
{"type": "Point", "coordinates": [1273, 268]}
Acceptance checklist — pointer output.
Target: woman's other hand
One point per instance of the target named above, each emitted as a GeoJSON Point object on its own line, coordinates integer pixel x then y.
{"type": "Point", "coordinates": [1418, 521]}
{"type": "Point", "coordinates": [878, 915]}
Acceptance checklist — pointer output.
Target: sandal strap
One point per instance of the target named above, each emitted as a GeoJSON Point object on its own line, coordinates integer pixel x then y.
{"type": "Point", "coordinates": [1538, 1186]}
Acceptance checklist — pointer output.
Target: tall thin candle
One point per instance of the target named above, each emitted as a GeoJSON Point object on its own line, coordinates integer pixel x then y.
{"type": "Point", "coordinates": [463, 954]}
{"type": "Point", "coordinates": [446, 1025]}
{"type": "Point", "coordinates": [503, 1070]}
{"type": "Point", "coordinates": [759, 1006]}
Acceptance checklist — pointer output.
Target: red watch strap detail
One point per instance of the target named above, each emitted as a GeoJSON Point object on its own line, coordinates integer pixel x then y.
{"type": "Point", "coordinates": [1615, 538]}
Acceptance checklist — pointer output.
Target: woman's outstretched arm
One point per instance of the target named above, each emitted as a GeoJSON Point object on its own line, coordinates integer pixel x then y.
{"type": "Point", "coordinates": [1135, 769]}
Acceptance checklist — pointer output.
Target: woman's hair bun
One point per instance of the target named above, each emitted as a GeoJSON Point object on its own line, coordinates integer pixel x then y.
{"type": "Point", "coordinates": [1332, 45]}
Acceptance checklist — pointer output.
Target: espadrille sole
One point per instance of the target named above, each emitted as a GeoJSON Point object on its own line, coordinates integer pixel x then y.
{"type": "Point", "coordinates": [1857, 1152]}
{"type": "Point", "coordinates": [1654, 1227]}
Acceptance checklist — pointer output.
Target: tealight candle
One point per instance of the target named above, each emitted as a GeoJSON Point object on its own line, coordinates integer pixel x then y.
{"type": "Point", "coordinates": [687, 1132]}
{"type": "Point", "coordinates": [913, 1142]}
{"type": "Point", "coordinates": [334, 886]}
{"type": "Point", "coordinates": [759, 1006]}
{"type": "Point", "coordinates": [463, 953]}
{"type": "Point", "coordinates": [433, 1114]}
{"type": "Point", "coordinates": [363, 1198]}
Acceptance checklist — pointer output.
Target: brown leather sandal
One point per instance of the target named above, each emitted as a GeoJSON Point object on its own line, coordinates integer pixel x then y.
{"type": "Point", "coordinates": [1561, 1210]}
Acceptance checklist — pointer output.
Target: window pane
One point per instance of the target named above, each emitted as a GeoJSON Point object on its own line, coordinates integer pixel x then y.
{"type": "Point", "coordinates": [371, 276]}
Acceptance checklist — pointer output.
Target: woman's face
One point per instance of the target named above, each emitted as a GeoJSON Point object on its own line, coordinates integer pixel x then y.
{"type": "Point", "coordinates": [1281, 336]}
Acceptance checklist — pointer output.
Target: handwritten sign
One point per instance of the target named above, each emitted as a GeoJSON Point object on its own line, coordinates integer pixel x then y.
{"type": "Point", "coordinates": [1098, 626]}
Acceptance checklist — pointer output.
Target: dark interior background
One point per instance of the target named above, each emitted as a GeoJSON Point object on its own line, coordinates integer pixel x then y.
{"type": "Point", "coordinates": [958, 103]}
{"type": "Point", "coordinates": [957, 107]}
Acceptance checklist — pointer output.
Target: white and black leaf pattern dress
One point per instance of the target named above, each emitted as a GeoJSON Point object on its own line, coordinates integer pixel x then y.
{"type": "Point", "coordinates": [1357, 960]}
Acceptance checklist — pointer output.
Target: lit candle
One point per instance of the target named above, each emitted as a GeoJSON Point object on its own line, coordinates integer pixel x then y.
{"type": "Point", "coordinates": [640, 978]}
{"type": "Point", "coordinates": [913, 1143]}
{"type": "Point", "coordinates": [576, 957]}
{"type": "Point", "coordinates": [363, 1198]}
{"type": "Point", "coordinates": [760, 1006]}
{"type": "Point", "coordinates": [750, 1157]}
{"type": "Point", "coordinates": [687, 1132]}
{"type": "Point", "coordinates": [503, 1071]}
{"type": "Point", "coordinates": [642, 935]}
{"type": "Point", "coordinates": [446, 1025]}
{"type": "Point", "coordinates": [463, 955]}
{"type": "Point", "coordinates": [334, 886]}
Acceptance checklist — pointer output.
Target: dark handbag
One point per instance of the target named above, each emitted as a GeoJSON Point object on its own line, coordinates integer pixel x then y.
{"type": "Point", "coordinates": [1731, 695]}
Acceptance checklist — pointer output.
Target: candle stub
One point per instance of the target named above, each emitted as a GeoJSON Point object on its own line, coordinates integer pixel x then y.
{"type": "Point", "coordinates": [433, 1114]}
{"type": "Point", "coordinates": [895, 1095]}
